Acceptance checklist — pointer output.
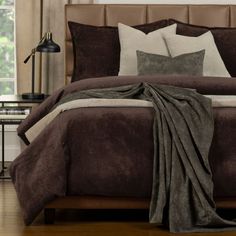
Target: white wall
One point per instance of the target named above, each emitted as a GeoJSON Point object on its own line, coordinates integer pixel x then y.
{"type": "Point", "coordinates": [168, 1]}
{"type": "Point", "coordinates": [12, 143]}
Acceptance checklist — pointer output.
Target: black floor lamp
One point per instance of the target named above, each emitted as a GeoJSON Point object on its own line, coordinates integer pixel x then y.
{"type": "Point", "coordinates": [46, 45]}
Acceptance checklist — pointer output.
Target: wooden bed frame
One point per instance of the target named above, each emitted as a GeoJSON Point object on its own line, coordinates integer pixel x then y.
{"type": "Point", "coordinates": [97, 202]}
{"type": "Point", "coordinates": [100, 15]}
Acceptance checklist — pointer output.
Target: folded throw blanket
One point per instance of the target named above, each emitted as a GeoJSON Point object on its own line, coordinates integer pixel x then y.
{"type": "Point", "coordinates": [182, 194]}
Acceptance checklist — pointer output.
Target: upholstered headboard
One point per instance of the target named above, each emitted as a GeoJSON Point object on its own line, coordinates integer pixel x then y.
{"type": "Point", "coordinates": [100, 15]}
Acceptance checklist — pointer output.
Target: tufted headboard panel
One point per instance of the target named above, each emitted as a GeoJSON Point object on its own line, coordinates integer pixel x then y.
{"type": "Point", "coordinates": [102, 15]}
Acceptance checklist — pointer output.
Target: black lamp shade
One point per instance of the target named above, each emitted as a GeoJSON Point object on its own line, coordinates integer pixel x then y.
{"type": "Point", "coordinates": [47, 44]}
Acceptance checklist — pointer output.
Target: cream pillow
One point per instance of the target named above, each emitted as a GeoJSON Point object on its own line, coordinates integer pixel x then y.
{"type": "Point", "coordinates": [213, 64]}
{"type": "Point", "coordinates": [132, 40]}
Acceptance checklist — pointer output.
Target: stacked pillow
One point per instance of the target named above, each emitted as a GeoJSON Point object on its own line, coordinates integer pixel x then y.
{"type": "Point", "coordinates": [185, 64]}
{"type": "Point", "coordinates": [225, 40]}
{"type": "Point", "coordinates": [152, 48]}
{"type": "Point", "coordinates": [132, 39]}
{"type": "Point", "coordinates": [213, 64]}
{"type": "Point", "coordinates": [165, 42]}
{"type": "Point", "coordinates": [97, 48]}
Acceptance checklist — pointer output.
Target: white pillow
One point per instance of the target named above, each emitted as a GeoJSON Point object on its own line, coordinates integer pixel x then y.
{"type": "Point", "coordinates": [132, 40]}
{"type": "Point", "coordinates": [213, 64]}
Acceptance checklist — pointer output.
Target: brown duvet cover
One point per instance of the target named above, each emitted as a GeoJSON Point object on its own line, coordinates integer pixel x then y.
{"type": "Point", "coordinates": [103, 151]}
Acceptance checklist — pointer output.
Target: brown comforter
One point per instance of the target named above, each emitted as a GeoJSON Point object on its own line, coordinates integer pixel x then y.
{"type": "Point", "coordinates": [85, 135]}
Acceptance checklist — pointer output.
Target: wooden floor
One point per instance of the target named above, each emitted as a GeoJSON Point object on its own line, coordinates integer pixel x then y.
{"type": "Point", "coordinates": [85, 223]}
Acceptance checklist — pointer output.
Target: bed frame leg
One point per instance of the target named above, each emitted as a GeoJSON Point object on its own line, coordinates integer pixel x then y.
{"type": "Point", "coordinates": [49, 215]}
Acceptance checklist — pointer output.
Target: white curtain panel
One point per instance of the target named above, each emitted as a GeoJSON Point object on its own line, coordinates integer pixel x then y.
{"type": "Point", "coordinates": [27, 35]}
{"type": "Point", "coordinates": [49, 73]}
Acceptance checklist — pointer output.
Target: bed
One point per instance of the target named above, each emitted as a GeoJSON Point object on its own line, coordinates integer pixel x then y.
{"type": "Point", "coordinates": [97, 198]}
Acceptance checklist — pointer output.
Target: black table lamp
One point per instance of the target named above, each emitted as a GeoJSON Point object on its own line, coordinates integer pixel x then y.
{"type": "Point", "coordinates": [47, 45]}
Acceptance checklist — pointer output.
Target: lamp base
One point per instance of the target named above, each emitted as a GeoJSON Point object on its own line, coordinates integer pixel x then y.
{"type": "Point", "coordinates": [33, 96]}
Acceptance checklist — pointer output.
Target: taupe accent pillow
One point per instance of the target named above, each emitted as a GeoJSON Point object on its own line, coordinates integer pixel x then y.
{"type": "Point", "coordinates": [185, 64]}
{"type": "Point", "coordinates": [97, 48]}
{"type": "Point", "coordinates": [213, 64]}
{"type": "Point", "coordinates": [132, 39]}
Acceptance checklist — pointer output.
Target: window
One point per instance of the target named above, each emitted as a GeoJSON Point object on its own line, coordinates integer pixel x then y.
{"type": "Point", "coordinates": [7, 47]}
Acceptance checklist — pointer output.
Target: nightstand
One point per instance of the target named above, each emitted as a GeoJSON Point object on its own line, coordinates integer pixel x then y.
{"type": "Point", "coordinates": [13, 109]}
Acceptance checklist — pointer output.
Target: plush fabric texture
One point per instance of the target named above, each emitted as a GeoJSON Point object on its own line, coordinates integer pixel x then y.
{"type": "Point", "coordinates": [183, 120]}
{"type": "Point", "coordinates": [185, 64]}
{"type": "Point", "coordinates": [209, 85]}
{"type": "Point", "coordinates": [213, 64]}
{"type": "Point", "coordinates": [132, 39]}
{"type": "Point", "coordinates": [225, 39]}
{"type": "Point", "coordinates": [97, 49]}
{"type": "Point", "coordinates": [126, 169]}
